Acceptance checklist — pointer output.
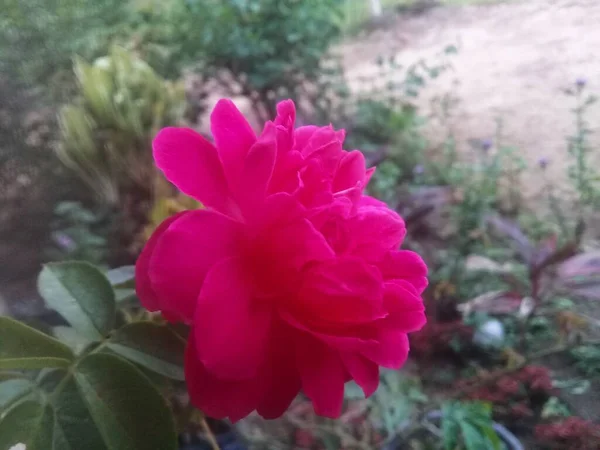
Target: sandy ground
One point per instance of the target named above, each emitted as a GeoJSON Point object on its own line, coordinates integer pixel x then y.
{"type": "Point", "coordinates": [514, 60]}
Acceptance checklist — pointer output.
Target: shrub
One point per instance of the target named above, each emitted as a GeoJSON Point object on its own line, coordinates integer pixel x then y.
{"type": "Point", "coordinates": [107, 131]}
{"type": "Point", "coordinates": [263, 49]}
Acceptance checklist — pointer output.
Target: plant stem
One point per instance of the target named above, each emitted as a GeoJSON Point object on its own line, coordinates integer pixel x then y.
{"type": "Point", "coordinates": [210, 437]}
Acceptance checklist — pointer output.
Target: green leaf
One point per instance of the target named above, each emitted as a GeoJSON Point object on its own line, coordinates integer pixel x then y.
{"type": "Point", "coordinates": [123, 295]}
{"type": "Point", "coordinates": [29, 423]}
{"type": "Point", "coordinates": [23, 347]}
{"type": "Point", "coordinates": [121, 276]}
{"type": "Point", "coordinates": [129, 413]}
{"type": "Point", "coordinates": [72, 425]}
{"type": "Point", "coordinates": [153, 346]}
{"type": "Point", "coordinates": [450, 427]}
{"type": "Point", "coordinates": [71, 337]}
{"type": "Point", "coordinates": [13, 391]}
{"type": "Point", "coordinates": [81, 294]}
{"type": "Point", "coordinates": [473, 438]}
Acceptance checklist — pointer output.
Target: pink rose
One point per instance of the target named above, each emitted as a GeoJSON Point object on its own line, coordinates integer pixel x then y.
{"type": "Point", "coordinates": [291, 278]}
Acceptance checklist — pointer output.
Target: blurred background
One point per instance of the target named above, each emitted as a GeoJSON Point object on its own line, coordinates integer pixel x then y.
{"type": "Point", "coordinates": [480, 116]}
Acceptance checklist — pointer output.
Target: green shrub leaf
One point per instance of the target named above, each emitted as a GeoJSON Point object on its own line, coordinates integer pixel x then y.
{"type": "Point", "coordinates": [153, 346]}
{"type": "Point", "coordinates": [23, 347]}
{"type": "Point", "coordinates": [81, 294]}
{"type": "Point", "coordinates": [11, 391]}
{"type": "Point", "coordinates": [29, 423]}
{"type": "Point", "coordinates": [128, 411]}
{"type": "Point", "coordinates": [121, 276]}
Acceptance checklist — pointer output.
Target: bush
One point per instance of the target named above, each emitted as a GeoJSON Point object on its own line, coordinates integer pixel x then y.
{"type": "Point", "coordinates": [107, 131]}
{"type": "Point", "coordinates": [262, 49]}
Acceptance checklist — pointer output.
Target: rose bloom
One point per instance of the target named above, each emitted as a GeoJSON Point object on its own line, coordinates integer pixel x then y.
{"type": "Point", "coordinates": [291, 278]}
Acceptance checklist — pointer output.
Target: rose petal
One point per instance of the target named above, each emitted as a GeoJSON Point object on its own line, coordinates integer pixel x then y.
{"type": "Point", "coordinates": [231, 329]}
{"type": "Point", "coordinates": [143, 286]}
{"type": "Point", "coordinates": [343, 290]}
{"type": "Point", "coordinates": [216, 397]}
{"type": "Point", "coordinates": [250, 187]}
{"type": "Point", "coordinates": [405, 265]}
{"type": "Point", "coordinates": [348, 339]}
{"type": "Point", "coordinates": [375, 231]}
{"type": "Point", "coordinates": [185, 253]}
{"type": "Point", "coordinates": [323, 376]}
{"type": "Point", "coordinates": [233, 137]}
{"type": "Point", "coordinates": [286, 117]}
{"type": "Point", "coordinates": [192, 164]}
{"type": "Point", "coordinates": [350, 171]}
{"type": "Point", "coordinates": [302, 136]}
{"type": "Point", "coordinates": [405, 307]}
{"type": "Point", "coordinates": [280, 372]}
{"type": "Point", "coordinates": [364, 372]}
{"type": "Point", "coordinates": [367, 200]}
{"type": "Point", "coordinates": [392, 350]}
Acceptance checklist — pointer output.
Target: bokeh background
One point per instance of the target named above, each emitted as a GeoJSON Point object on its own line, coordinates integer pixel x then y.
{"type": "Point", "coordinates": [479, 114]}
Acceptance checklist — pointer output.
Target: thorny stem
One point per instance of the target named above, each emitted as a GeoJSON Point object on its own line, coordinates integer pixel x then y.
{"type": "Point", "coordinates": [210, 437]}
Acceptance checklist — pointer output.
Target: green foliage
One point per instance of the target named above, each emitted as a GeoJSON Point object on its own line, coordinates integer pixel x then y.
{"type": "Point", "coordinates": [25, 347]}
{"type": "Point", "coordinates": [40, 37]}
{"type": "Point", "coordinates": [152, 346]}
{"type": "Point", "coordinates": [81, 294]}
{"type": "Point", "coordinates": [587, 359]}
{"type": "Point", "coordinates": [97, 396]}
{"type": "Point", "coordinates": [107, 131]}
{"type": "Point", "coordinates": [469, 425]}
{"type": "Point", "coordinates": [582, 171]}
{"type": "Point", "coordinates": [264, 49]}
{"type": "Point", "coordinates": [78, 233]}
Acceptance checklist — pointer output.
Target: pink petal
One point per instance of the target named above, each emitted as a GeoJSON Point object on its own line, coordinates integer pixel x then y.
{"type": "Point", "coordinates": [280, 254]}
{"type": "Point", "coordinates": [346, 339]}
{"type": "Point", "coordinates": [250, 188]}
{"type": "Point", "coordinates": [344, 290]}
{"type": "Point", "coordinates": [216, 397]}
{"type": "Point", "coordinates": [192, 164]}
{"type": "Point", "coordinates": [364, 372]}
{"type": "Point", "coordinates": [367, 200]}
{"type": "Point", "coordinates": [143, 286]}
{"type": "Point", "coordinates": [280, 373]}
{"type": "Point", "coordinates": [302, 136]}
{"type": "Point", "coordinates": [323, 376]}
{"type": "Point", "coordinates": [375, 231]}
{"type": "Point", "coordinates": [392, 351]}
{"type": "Point", "coordinates": [405, 307]}
{"type": "Point", "coordinates": [286, 113]}
{"type": "Point", "coordinates": [279, 209]}
{"type": "Point", "coordinates": [405, 265]}
{"type": "Point", "coordinates": [233, 137]}
{"type": "Point", "coordinates": [298, 244]}
{"type": "Point", "coordinates": [350, 171]}
{"type": "Point", "coordinates": [185, 253]}
{"type": "Point", "coordinates": [286, 117]}
{"type": "Point", "coordinates": [316, 189]}
{"type": "Point", "coordinates": [231, 328]}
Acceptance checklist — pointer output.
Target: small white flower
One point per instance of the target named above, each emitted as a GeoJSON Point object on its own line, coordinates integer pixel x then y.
{"type": "Point", "coordinates": [18, 447]}
{"type": "Point", "coordinates": [490, 334]}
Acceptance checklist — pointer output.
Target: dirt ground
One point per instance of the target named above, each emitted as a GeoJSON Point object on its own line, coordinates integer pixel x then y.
{"type": "Point", "coordinates": [513, 62]}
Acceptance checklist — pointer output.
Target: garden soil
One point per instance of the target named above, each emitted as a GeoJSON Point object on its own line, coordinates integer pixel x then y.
{"type": "Point", "coordinates": [514, 60]}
